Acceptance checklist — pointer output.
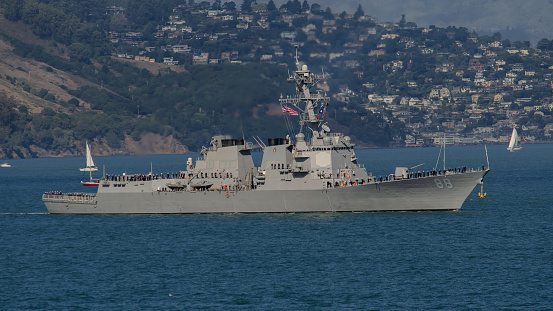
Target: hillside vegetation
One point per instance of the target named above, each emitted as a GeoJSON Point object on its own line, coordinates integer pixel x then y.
{"type": "Point", "coordinates": [165, 75]}
{"type": "Point", "coordinates": [60, 86]}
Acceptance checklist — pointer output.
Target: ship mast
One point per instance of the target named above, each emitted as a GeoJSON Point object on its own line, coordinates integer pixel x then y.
{"type": "Point", "coordinates": [310, 105]}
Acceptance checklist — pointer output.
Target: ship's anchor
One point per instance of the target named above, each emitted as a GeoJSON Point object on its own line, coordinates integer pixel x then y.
{"type": "Point", "coordinates": [482, 194]}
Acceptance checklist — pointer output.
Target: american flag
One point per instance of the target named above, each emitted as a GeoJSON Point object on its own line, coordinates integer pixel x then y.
{"type": "Point", "coordinates": [286, 109]}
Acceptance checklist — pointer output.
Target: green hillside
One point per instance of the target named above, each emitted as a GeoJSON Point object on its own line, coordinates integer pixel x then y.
{"type": "Point", "coordinates": [118, 99]}
{"type": "Point", "coordinates": [164, 76]}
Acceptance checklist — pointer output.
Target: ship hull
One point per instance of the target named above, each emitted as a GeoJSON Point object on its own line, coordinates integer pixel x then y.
{"type": "Point", "coordinates": [432, 193]}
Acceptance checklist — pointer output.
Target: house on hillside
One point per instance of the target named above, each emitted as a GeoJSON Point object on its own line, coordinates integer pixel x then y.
{"type": "Point", "coordinates": [170, 61]}
{"type": "Point", "coordinates": [202, 59]}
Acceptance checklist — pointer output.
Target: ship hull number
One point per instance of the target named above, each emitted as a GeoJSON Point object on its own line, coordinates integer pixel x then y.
{"type": "Point", "coordinates": [445, 183]}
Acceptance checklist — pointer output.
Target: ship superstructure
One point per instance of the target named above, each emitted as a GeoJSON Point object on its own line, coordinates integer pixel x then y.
{"type": "Point", "coordinates": [315, 171]}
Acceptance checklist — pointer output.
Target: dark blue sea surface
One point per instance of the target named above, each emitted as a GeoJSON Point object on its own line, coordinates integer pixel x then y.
{"type": "Point", "coordinates": [496, 253]}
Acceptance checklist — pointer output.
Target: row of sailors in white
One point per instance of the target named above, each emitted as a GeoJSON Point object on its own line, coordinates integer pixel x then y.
{"type": "Point", "coordinates": [76, 194]}
{"type": "Point", "coordinates": [420, 174]}
{"type": "Point", "coordinates": [216, 174]}
{"type": "Point", "coordinates": [411, 175]}
{"type": "Point", "coordinates": [346, 183]}
{"type": "Point", "coordinates": [144, 177]}
{"type": "Point", "coordinates": [439, 172]}
{"type": "Point", "coordinates": [220, 188]}
{"type": "Point", "coordinates": [140, 177]}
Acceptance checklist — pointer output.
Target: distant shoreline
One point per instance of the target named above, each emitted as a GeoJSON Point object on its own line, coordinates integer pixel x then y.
{"type": "Point", "coordinates": [190, 152]}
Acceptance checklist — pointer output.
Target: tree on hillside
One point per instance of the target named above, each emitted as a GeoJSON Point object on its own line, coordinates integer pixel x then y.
{"type": "Point", "coordinates": [293, 6]}
{"type": "Point", "coordinates": [359, 12]}
{"type": "Point", "coordinates": [246, 6]}
{"type": "Point", "coordinates": [305, 6]}
{"type": "Point", "coordinates": [229, 6]}
{"type": "Point", "coordinates": [216, 5]}
{"type": "Point", "coordinates": [545, 44]}
{"type": "Point", "coordinates": [204, 5]}
{"type": "Point", "coordinates": [79, 52]}
{"type": "Point", "coordinates": [402, 21]}
{"type": "Point", "coordinates": [461, 34]}
{"type": "Point", "coordinates": [271, 6]}
{"type": "Point", "coordinates": [13, 9]}
{"type": "Point", "coordinates": [141, 12]}
{"type": "Point", "coordinates": [316, 8]}
{"type": "Point", "coordinates": [328, 14]}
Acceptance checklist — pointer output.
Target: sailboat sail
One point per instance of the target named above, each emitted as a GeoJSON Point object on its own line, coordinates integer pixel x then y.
{"type": "Point", "coordinates": [90, 167]}
{"type": "Point", "coordinates": [89, 162]}
{"type": "Point", "coordinates": [513, 143]}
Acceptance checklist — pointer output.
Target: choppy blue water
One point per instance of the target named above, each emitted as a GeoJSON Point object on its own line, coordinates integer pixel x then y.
{"type": "Point", "coordinates": [496, 253]}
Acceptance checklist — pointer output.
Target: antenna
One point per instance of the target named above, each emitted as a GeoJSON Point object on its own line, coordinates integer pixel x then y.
{"type": "Point", "coordinates": [438, 159]}
{"type": "Point", "coordinates": [297, 59]}
{"type": "Point", "coordinates": [242, 128]}
{"type": "Point", "coordinates": [417, 166]}
{"type": "Point", "coordinates": [444, 153]}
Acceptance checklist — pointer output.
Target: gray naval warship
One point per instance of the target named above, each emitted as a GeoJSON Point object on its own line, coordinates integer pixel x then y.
{"type": "Point", "coordinates": [315, 171]}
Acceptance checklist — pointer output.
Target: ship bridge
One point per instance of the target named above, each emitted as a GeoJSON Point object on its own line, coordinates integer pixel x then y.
{"type": "Point", "coordinates": [225, 157]}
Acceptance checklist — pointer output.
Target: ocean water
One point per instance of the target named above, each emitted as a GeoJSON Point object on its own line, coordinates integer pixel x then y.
{"type": "Point", "coordinates": [496, 253]}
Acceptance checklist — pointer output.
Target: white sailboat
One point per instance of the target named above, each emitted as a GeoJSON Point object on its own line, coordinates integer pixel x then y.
{"type": "Point", "coordinates": [513, 143]}
{"type": "Point", "coordinates": [90, 167]}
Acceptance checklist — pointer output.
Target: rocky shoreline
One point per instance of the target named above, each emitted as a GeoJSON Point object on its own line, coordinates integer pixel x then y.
{"type": "Point", "coordinates": [148, 144]}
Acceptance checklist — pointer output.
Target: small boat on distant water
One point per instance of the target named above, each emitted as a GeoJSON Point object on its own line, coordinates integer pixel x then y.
{"type": "Point", "coordinates": [5, 165]}
{"type": "Point", "coordinates": [513, 143]}
{"type": "Point", "coordinates": [91, 183]}
{"type": "Point", "coordinates": [90, 167]}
